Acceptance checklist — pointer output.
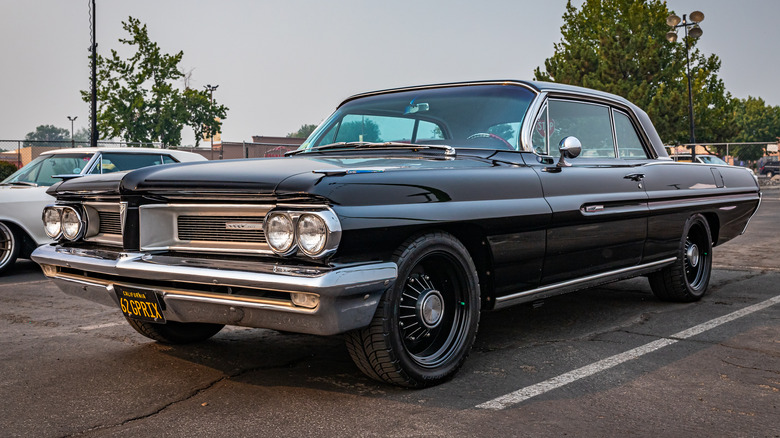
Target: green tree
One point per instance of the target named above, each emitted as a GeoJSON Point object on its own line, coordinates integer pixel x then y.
{"type": "Point", "coordinates": [6, 169]}
{"type": "Point", "coordinates": [619, 46]}
{"type": "Point", "coordinates": [138, 101]}
{"type": "Point", "coordinates": [47, 133]}
{"type": "Point", "coordinates": [756, 121]}
{"type": "Point", "coordinates": [303, 131]}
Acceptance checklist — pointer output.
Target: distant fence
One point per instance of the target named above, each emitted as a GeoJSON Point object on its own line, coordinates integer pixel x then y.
{"type": "Point", "coordinates": [21, 152]}
{"type": "Point", "coordinates": [726, 150]}
{"type": "Point", "coordinates": [235, 150]}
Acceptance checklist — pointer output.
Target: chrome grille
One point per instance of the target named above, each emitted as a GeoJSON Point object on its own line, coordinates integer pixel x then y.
{"type": "Point", "coordinates": [220, 228]}
{"type": "Point", "coordinates": [109, 222]}
{"type": "Point", "coordinates": [211, 228]}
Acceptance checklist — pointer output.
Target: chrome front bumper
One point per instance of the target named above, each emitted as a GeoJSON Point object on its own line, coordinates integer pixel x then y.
{"type": "Point", "coordinates": [202, 290]}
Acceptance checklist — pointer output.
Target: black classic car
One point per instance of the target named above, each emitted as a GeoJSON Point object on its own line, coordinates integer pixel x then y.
{"type": "Point", "coordinates": [405, 215]}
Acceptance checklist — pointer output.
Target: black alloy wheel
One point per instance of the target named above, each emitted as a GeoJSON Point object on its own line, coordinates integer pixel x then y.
{"type": "Point", "coordinates": [688, 278]}
{"type": "Point", "coordinates": [426, 322]}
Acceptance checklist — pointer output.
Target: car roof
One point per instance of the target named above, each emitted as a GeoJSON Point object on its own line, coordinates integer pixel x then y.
{"type": "Point", "coordinates": [538, 86]}
{"type": "Point", "coordinates": [180, 155]}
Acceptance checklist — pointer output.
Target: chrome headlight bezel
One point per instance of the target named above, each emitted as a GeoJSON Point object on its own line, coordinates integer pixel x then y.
{"type": "Point", "coordinates": [75, 219]}
{"type": "Point", "coordinates": [283, 220]}
{"type": "Point", "coordinates": [58, 221]}
{"type": "Point", "coordinates": [56, 228]}
{"type": "Point", "coordinates": [325, 218]}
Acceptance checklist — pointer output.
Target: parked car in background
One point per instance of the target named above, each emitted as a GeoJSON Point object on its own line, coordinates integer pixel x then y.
{"type": "Point", "coordinates": [403, 216]}
{"type": "Point", "coordinates": [769, 166]}
{"type": "Point", "coordinates": [705, 159]}
{"type": "Point", "coordinates": [23, 193]}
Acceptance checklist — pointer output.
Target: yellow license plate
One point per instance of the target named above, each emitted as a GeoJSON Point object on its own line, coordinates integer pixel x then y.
{"type": "Point", "coordinates": [140, 304]}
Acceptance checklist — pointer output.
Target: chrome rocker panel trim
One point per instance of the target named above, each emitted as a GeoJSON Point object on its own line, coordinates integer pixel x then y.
{"type": "Point", "coordinates": [348, 295]}
{"type": "Point", "coordinates": [580, 283]}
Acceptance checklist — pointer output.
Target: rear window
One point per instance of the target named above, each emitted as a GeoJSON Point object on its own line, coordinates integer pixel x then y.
{"type": "Point", "coordinates": [118, 162]}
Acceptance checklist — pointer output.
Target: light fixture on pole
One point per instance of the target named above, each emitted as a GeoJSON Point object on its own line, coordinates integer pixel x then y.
{"type": "Point", "coordinates": [72, 141]}
{"type": "Point", "coordinates": [210, 88]}
{"type": "Point", "coordinates": [692, 21]}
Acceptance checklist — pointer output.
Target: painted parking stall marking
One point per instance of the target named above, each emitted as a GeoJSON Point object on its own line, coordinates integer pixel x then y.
{"type": "Point", "coordinates": [529, 392]}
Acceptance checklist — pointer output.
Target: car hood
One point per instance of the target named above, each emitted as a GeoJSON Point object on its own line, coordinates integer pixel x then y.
{"type": "Point", "coordinates": [265, 176]}
{"type": "Point", "coordinates": [22, 194]}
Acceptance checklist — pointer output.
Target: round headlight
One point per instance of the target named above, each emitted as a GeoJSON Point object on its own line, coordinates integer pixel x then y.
{"type": "Point", "coordinates": [312, 234]}
{"type": "Point", "coordinates": [71, 223]}
{"type": "Point", "coordinates": [279, 232]}
{"type": "Point", "coordinates": [52, 222]}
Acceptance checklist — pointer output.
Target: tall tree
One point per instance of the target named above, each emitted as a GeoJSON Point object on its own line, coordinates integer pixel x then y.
{"type": "Point", "coordinates": [619, 46]}
{"type": "Point", "coordinates": [303, 131]}
{"type": "Point", "coordinates": [756, 121]}
{"type": "Point", "coordinates": [138, 100]}
{"type": "Point", "coordinates": [47, 133]}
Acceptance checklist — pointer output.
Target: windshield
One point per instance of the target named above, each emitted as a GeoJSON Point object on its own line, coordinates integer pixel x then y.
{"type": "Point", "coordinates": [40, 170]}
{"type": "Point", "coordinates": [476, 116]}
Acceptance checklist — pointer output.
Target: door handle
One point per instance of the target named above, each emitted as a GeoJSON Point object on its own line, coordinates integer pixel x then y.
{"type": "Point", "coordinates": [635, 176]}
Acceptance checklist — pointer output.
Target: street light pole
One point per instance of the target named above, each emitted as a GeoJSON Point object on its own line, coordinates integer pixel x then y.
{"type": "Point", "coordinates": [93, 110]}
{"type": "Point", "coordinates": [211, 89]}
{"type": "Point", "coordinates": [72, 141]}
{"type": "Point", "coordinates": [674, 22]}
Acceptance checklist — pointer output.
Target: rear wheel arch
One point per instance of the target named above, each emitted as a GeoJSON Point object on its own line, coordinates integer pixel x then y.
{"type": "Point", "coordinates": [714, 222]}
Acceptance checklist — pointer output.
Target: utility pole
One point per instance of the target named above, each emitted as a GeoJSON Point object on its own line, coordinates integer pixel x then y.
{"type": "Point", "coordinates": [211, 89]}
{"type": "Point", "coordinates": [94, 132]}
{"type": "Point", "coordinates": [72, 141]}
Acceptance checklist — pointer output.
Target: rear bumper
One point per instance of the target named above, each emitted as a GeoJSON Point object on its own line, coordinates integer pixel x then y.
{"type": "Point", "coordinates": [225, 292]}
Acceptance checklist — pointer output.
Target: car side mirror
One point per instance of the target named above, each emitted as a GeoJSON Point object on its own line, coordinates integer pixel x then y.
{"type": "Point", "coordinates": [570, 147]}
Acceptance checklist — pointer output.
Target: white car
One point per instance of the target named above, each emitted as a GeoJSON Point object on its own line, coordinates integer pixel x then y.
{"type": "Point", "coordinates": [23, 194]}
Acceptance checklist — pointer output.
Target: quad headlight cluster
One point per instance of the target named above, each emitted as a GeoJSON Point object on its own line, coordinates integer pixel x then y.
{"type": "Point", "coordinates": [315, 233]}
{"type": "Point", "coordinates": [63, 221]}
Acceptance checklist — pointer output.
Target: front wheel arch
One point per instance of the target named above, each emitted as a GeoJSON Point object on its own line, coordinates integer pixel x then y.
{"type": "Point", "coordinates": [426, 322]}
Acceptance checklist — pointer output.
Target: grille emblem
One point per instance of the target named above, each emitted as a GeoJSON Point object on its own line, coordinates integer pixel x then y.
{"type": "Point", "coordinates": [243, 226]}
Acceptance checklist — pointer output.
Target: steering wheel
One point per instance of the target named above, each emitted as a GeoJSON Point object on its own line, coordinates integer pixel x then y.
{"type": "Point", "coordinates": [488, 135]}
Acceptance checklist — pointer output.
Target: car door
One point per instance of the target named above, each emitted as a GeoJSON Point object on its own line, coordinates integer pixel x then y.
{"type": "Point", "coordinates": [599, 205]}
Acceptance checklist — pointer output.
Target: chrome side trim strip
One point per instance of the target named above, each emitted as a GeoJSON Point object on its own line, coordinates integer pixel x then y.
{"type": "Point", "coordinates": [699, 201]}
{"type": "Point", "coordinates": [577, 283]}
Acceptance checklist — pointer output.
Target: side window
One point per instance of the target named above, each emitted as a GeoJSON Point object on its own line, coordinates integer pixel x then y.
{"type": "Point", "coordinates": [541, 132]}
{"type": "Point", "coordinates": [117, 162]}
{"type": "Point", "coordinates": [97, 167]}
{"type": "Point", "coordinates": [590, 123]}
{"type": "Point", "coordinates": [166, 159]}
{"type": "Point", "coordinates": [628, 141]}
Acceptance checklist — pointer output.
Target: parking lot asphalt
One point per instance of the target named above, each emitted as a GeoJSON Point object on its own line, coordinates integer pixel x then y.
{"type": "Point", "coordinates": [608, 361]}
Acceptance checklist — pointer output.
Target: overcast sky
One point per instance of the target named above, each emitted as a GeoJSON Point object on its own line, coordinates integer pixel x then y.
{"type": "Point", "coordinates": [280, 64]}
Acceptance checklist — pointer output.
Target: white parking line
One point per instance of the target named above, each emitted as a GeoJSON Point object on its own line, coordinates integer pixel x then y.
{"type": "Point", "coordinates": [528, 392]}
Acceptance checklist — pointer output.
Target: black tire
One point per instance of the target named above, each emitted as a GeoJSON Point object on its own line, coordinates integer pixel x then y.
{"type": "Point", "coordinates": [174, 332]}
{"type": "Point", "coordinates": [687, 279]}
{"type": "Point", "coordinates": [426, 322]}
{"type": "Point", "coordinates": [10, 242]}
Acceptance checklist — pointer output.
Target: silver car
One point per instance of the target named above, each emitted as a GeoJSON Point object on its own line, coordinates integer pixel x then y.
{"type": "Point", "coordinates": [23, 194]}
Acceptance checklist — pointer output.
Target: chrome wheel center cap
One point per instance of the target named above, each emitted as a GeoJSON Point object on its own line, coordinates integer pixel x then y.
{"type": "Point", "coordinates": [431, 308]}
{"type": "Point", "coordinates": [693, 255]}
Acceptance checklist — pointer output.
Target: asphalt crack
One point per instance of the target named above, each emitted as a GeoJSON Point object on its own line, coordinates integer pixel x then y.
{"type": "Point", "coordinates": [189, 396]}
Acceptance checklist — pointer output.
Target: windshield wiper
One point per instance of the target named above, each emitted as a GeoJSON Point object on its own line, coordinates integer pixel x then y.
{"type": "Point", "coordinates": [20, 183]}
{"type": "Point", "coordinates": [448, 150]}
